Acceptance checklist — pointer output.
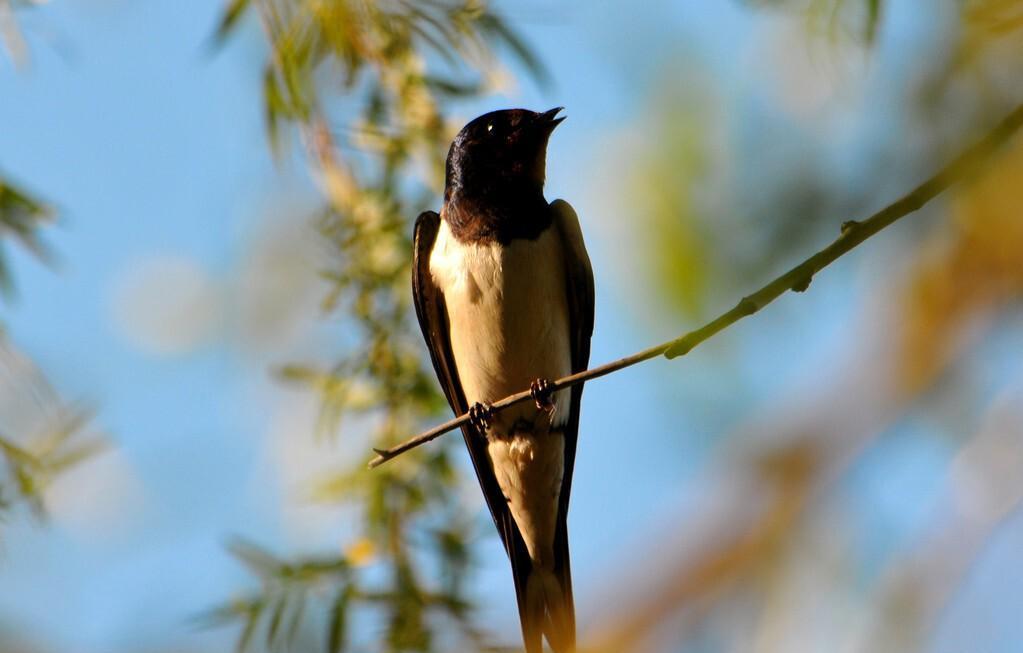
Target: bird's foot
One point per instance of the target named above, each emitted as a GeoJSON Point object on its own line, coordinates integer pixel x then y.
{"type": "Point", "coordinates": [480, 416]}
{"type": "Point", "coordinates": [542, 393]}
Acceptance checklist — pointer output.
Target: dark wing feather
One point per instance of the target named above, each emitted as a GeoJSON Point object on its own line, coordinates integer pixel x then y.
{"type": "Point", "coordinates": [433, 319]}
{"type": "Point", "coordinates": [579, 277]}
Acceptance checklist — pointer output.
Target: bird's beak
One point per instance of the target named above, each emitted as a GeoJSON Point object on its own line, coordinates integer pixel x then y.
{"type": "Point", "coordinates": [549, 119]}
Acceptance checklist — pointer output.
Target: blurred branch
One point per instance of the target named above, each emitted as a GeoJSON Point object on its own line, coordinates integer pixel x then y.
{"type": "Point", "coordinates": [797, 279]}
{"type": "Point", "coordinates": [786, 480]}
{"type": "Point", "coordinates": [984, 491]}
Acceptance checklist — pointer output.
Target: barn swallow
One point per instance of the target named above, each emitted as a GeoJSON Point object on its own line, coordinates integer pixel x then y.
{"type": "Point", "coordinates": [503, 290]}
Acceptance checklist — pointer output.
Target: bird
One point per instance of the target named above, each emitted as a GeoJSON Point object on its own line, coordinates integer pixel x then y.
{"type": "Point", "coordinates": [503, 289]}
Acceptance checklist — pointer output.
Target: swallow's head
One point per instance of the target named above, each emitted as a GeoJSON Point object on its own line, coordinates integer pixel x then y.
{"type": "Point", "coordinates": [502, 150]}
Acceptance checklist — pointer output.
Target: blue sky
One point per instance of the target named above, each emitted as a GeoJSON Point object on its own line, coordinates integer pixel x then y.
{"type": "Point", "coordinates": [152, 149]}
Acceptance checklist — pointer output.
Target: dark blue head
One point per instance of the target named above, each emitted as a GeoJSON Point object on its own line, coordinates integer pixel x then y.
{"type": "Point", "coordinates": [501, 151]}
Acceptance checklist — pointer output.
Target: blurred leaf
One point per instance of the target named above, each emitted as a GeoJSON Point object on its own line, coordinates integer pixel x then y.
{"type": "Point", "coordinates": [873, 18]}
{"type": "Point", "coordinates": [990, 27]}
{"type": "Point", "coordinates": [963, 276]}
{"type": "Point", "coordinates": [229, 19]}
{"type": "Point", "coordinates": [499, 30]}
{"type": "Point", "coordinates": [274, 107]}
{"type": "Point", "coordinates": [276, 618]}
{"type": "Point", "coordinates": [664, 191]}
{"type": "Point", "coordinates": [297, 613]}
{"type": "Point", "coordinates": [836, 20]}
{"type": "Point", "coordinates": [338, 624]}
{"type": "Point", "coordinates": [361, 552]}
{"type": "Point", "coordinates": [381, 75]}
{"type": "Point", "coordinates": [256, 559]}
{"type": "Point", "coordinates": [21, 216]}
{"type": "Point", "coordinates": [452, 88]}
{"type": "Point", "coordinates": [40, 437]}
{"type": "Point", "coordinates": [251, 622]}
{"type": "Point", "coordinates": [247, 610]}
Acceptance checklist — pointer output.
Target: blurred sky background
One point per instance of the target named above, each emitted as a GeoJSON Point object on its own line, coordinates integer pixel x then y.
{"type": "Point", "coordinates": [183, 274]}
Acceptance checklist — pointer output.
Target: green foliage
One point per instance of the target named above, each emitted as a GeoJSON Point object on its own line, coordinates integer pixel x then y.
{"type": "Point", "coordinates": [40, 436]}
{"type": "Point", "coordinates": [31, 458]}
{"type": "Point", "coordinates": [376, 54]}
{"type": "Point", "coordinates": [858, 19]}
{"type": "Point", "coordinates": [664, 185]}
{"type": "Point", "coordinates": [368, 86]}
{"type": "Point", "coordinates": [32, 467]}
{"type": "Point", "coordinates": [277, 612]}
{"type": "Point", "coordinates": [21, 217]}
{"type": "Point", "coordinates": [694, 201]}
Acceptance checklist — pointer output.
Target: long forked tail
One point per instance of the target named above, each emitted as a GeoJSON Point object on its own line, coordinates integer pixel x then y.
{"type": "Point", "coordinates": [547, 609]}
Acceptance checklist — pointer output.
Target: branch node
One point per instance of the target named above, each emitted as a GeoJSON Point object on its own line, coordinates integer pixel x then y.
{"type": "Point", "coordinates": [802, 283]}
{"type": "Point", "coordinates": [747, 305]}
{"type": "Point", "coordinates": [849, 225]}
{"type": "Point", "coordinates": [382, 457]}
{"type": "Point", "coordinates": [680, 347]}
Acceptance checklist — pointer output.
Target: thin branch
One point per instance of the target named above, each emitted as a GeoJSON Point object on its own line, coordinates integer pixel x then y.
{"type": "Point", "coordinates": [797, 279]}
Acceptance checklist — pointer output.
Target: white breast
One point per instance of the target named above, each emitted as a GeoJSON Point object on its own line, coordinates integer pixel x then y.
{"type": "Point", "coordinates": [508, 316]}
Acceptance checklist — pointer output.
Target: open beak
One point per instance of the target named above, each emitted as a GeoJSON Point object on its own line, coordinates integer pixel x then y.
{"type": "Point", "coordinates": [550, 120]}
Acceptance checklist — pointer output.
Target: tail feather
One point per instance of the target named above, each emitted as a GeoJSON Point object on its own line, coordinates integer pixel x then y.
{"type": "Point", "coordinates": [548, 610]}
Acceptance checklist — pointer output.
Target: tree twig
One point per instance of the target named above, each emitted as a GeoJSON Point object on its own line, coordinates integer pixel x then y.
{"type": "Point", "coordinates": [797, 279]}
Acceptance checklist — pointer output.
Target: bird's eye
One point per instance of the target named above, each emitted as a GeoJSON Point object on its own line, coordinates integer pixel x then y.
{"type": "Point", "coordinates": [490, 126]}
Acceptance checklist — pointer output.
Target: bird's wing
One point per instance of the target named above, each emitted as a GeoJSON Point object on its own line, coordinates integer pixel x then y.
{"type": "Point", "coordinates": [433, 319]}
{"type": "Point", "coordinates": [579, 280]}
